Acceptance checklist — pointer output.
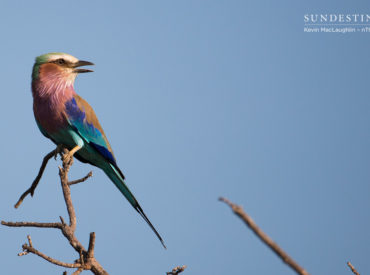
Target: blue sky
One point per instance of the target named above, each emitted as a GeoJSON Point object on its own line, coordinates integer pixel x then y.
{"type": "Point", "coordinates": [199, 99]}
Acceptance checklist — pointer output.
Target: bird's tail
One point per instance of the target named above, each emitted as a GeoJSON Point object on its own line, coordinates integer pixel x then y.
{"type": "Point", "coordinates": [118, 179]}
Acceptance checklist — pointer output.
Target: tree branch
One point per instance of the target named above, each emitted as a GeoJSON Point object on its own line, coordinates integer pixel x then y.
{"type": "Point", "coordinates": [63, 174]}
{"type": "Point", "coordinates": [78, 271]}
{"type": "Point", "coordinates": [238, 210]}
{"type": "Point", "coordinates": [31, 190]}
{"type": "Point", "coordinates": [28, 248]}
{"type": "Point", "coordinates": [176, 270]}
{"type": "Point", "coordinates": [33, 224]}
{"type": "Point", "coordinates": [81, 180]}
{"type": "Point", "coordinates": [90, 250]}
{"type": "Point", "coordinates": [86, 260]}
{"type": "Point", "coordinates": [353, 269]}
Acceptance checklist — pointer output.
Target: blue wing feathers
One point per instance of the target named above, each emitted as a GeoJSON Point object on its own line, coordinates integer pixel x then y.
{"type": "Point", "coordinates": [104, 152]}
{"type": "Point", "coordinates": [82, 119]}
{"type": "Point", "coordinates": [90, 133]}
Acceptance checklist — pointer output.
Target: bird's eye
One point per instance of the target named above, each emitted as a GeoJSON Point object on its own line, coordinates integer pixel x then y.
{"type": "Point", "coordinates": [61, 61]}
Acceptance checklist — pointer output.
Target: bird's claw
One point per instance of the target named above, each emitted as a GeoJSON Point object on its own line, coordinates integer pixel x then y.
{"type": "Point", "coordinates": [68, 158]}
{"type": "Point", "coordinates": [58, 150]}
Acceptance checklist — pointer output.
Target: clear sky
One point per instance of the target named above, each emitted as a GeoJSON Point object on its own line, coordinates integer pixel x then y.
{"type": "Point", "coordinates": [199, 99]}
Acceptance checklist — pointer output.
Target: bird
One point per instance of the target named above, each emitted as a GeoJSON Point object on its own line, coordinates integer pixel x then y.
{"type": "Point", "coordinates": [69, 121]}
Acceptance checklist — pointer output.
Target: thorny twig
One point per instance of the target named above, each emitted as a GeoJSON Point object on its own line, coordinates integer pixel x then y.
{"type": "Point", "coordinates": [238, 210]}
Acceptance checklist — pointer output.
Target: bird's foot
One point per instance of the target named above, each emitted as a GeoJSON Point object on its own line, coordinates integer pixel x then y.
{"type": "Point", "coordinates": [58, 150]}
{"type": "Point", "coordinates": [68, 158]}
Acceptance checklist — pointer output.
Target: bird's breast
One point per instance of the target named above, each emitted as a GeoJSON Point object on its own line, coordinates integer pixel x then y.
{"type": "Point", "coordinates": [50, 113]}
{"type": "Point", "coordinates": [49, 107]}
{"type": "Point", "coordinates": [50, 118]}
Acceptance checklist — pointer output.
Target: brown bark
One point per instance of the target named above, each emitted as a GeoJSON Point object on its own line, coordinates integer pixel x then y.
{"type": "Point", "coordinates": [86, 260]}
{"type": "Point", "coordinates": [176, 270]}
{"type": "Point", "coordinates": [238, 210]}
{"type": "Point", "coordinates": [353, 269]}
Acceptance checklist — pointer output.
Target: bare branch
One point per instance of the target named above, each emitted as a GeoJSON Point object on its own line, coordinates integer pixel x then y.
{"type": "Point", "coordinates": [238, 210]}
{"type": "Point", "coordinates": [63, 173]}
{"type": "Point", "coordinates": [90, 251]}
{"type": "Point", "coordinates": [29, 240]}
{"type": "Point", "coordinates": [176, 270]}
{"type": "Point", "coordinates": [62, 220]}
{"type": "Point", "coordinates": [353, 269]}
{"type": "Point", "coordinates": [82, 179]}
{"type": "Point", "coordinates": [78, 271]}
{"type": "Point", "coordinates": [31, 249]}
{"type": "Point", "coordinates": [28, 248]}
{"type": "Point", "coordinates": [33, 224]}
{"type": "Point", "coordinates": [31, 190]}
{"type": "Point", "coordinates": [86, 259]}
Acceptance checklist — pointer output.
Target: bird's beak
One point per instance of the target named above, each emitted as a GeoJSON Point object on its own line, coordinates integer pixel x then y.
{"type": "Point", "coordinates": [81, 63]}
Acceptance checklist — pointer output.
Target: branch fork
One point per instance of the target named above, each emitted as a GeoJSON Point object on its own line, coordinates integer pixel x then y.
{"type": "Point", "coordinates": [86, 260]}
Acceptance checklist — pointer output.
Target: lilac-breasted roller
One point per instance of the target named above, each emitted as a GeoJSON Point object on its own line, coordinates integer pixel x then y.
{"type": "Point", "coordinates": [67, 119]}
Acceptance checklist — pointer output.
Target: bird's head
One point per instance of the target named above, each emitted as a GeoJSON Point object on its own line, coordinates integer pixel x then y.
{"type": "Point", "coordinates": [58, 65]}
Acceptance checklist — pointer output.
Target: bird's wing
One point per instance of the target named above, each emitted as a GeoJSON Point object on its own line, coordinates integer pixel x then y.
{"type": "Point", "coordinates": [82, 118]}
